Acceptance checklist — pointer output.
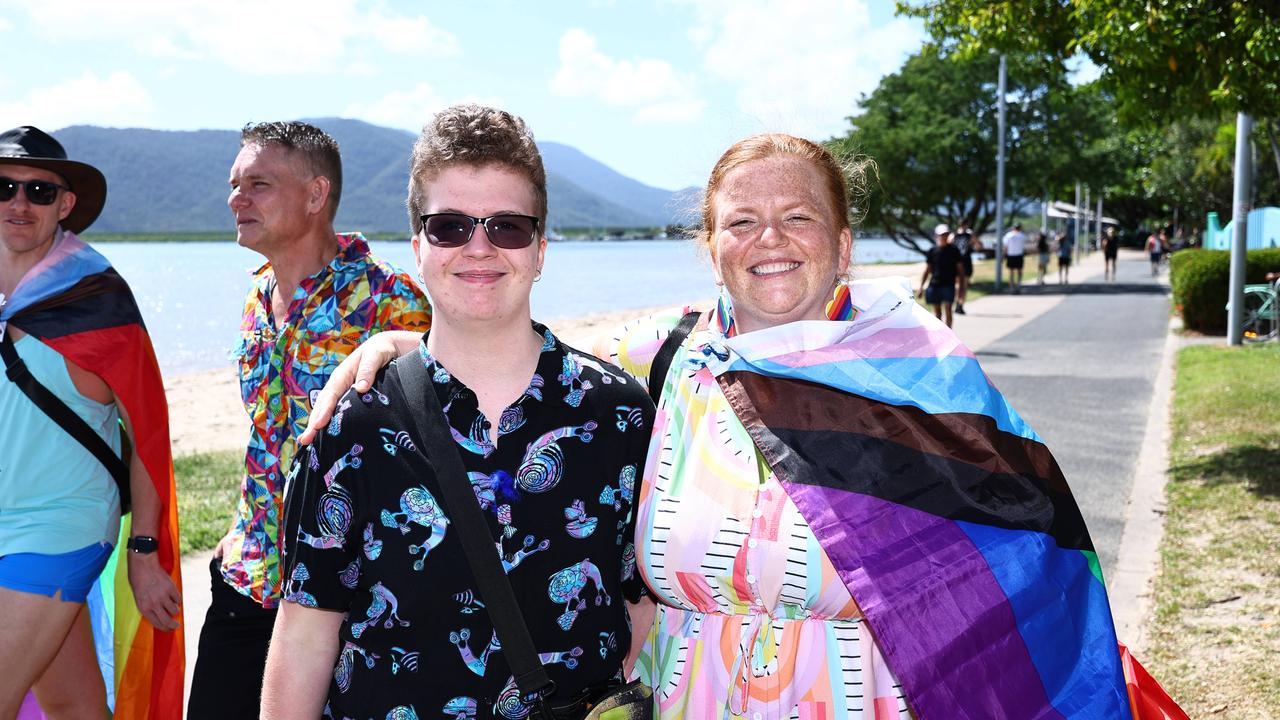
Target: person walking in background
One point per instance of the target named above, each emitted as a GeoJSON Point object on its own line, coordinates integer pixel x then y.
{"type": "Point", "coordinates": [1042, 255]}
{"type": "Point", "coordinates": [318, 296]}
{"type": "Point", "coordinates": [78, 360]}
{"type": "Point", "coordinates": [1155, 251]}
{"type": "Point", "coordinates": [1015, 247]}
{"type": "Point", "coordinates": [1110, 250]}
{"type": "Point", "coordinates": [1066, 244]}
{"type": "Point", "coordinates": [966, 243]}
{"type": "Point", "coordinates": [945, 265]}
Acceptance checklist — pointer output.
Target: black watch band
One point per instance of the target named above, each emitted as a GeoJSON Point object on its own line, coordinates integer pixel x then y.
{"type": "Point", "coordinates": [143, 544]}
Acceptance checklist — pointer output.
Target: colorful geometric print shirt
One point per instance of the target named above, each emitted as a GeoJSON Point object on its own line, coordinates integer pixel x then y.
{"type": "Point", "coordinates": [368, 534]}
{"type": "Point", "coordinates": [353, 297]}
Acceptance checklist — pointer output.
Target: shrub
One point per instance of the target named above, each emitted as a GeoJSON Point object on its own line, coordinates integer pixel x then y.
{"type": "Point", "coordinates": [1201, 281]}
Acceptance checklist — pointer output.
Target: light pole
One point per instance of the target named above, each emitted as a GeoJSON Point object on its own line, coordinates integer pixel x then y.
{"type": "Point", "coordinates": [1097, 234]}
{"type": "Point", "coordinates": [1080, 251]}
{"type": "Point", "coordinates": [1075, 229]}
{"type": "Point", "coordinates": [1000, 174]}
{"type": "Point", "coordinates": [1239, 228]}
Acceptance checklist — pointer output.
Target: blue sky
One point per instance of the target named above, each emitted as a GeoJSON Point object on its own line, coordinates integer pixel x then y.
{"type": "Point", "coordinates": [656, 89]}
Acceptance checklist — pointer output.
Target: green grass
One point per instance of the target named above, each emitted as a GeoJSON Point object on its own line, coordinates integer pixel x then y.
{"type": "Point", "coordinates": [1215, 635]}
{"type": "Point", "coordinates": [109, 237]}
{"type": "Point", "coordinates": [208, 490]}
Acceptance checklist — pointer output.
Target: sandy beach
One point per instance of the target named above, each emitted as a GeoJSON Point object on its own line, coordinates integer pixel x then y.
{"type": "Point", "coordinates": [205, 413]}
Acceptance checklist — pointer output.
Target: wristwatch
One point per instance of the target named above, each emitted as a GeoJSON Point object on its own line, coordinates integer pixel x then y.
{"type": "Point", "coordinates": [144, 544]}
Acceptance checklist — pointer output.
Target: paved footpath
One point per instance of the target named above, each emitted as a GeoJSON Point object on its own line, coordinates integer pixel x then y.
{"type": "Point", "coordinates": [1080, 363]}
{"type": "Point", "coordinates": [1082, 375]}
{"type": "Point", "coordinates": [1089, 370]}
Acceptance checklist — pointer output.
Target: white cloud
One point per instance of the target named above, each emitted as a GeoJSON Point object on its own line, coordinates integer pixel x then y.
{"type": "Point", "coordinates": [800, 66]}
{"type": "Point", "coordinates": [5, 25]}
{"type": "Point", "coordinates": [115, 100]}
{"type": "Point", "coordinates": [659, 92]}
{"type": "Point", "coordinates": [246, 35]}
{"type": "Point", "coordinates": [409, 109]}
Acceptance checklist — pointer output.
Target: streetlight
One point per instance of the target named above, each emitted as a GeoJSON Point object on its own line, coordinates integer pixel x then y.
{"type": "Point", "coordinates": [1000, 103]}
{"type": "Point", "coordinates": [1239, 228]}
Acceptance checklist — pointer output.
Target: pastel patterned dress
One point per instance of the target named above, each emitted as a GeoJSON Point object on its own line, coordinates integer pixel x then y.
{"type": "Point", "coordinates": [752, 620]}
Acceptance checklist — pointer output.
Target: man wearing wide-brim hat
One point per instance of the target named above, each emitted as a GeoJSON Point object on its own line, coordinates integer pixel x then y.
{"type": "Point", "coordinates": [78, 364]}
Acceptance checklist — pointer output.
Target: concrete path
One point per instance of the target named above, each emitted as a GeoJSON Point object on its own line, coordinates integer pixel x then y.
{"type": "Point", "coordinates": [1080, 363]}
{"type": "Point", "coordinates": [1082, 374]}
{"type": "Point", "coordinates": [1092, 375]}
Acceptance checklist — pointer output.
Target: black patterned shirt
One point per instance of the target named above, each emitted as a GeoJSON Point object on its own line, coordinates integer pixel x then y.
{"type": "Point", "coordinates": [367, 534]}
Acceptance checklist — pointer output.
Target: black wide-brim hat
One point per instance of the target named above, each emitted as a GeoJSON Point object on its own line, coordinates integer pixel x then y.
{"type": "Point", "coordinates": [33, 147]}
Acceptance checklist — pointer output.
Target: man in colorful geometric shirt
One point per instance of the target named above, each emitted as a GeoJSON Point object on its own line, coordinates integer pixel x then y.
{"type": "Point", "coordinates": [318, 296]}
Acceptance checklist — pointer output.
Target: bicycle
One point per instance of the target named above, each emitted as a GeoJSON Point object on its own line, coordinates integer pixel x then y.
{"type": "Point", "coordinates": [1261, 312]}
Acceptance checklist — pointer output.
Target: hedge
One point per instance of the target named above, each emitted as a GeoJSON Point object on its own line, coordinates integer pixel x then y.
{"type": "Point", "coordinates": [1201, 280]}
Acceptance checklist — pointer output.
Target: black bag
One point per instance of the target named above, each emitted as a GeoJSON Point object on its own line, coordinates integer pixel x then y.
{"type": "Point", "coordinates": [631, 701]}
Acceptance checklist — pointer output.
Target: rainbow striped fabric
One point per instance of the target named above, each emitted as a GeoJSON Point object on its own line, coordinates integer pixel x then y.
{"type": "Point", "coordinates": [76, 303]}
{"type": "Point", "coordinates": [942, 511]}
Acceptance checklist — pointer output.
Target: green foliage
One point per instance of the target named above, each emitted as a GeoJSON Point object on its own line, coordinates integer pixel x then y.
{"type": "Point", "coordinates": [1158, 58]}
{"type": "Point", "coordinates": [932, 130]}
{"type": "Point", "coordinates": [1201, 281]}
{"type": "Point", "coordinates": [92, 236]}
{"type": "Point", "coordinates": [208, 489]}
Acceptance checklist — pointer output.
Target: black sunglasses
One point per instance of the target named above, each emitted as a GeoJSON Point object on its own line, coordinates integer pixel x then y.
{"type": "Point", "coordinates": [39, 192]}
{"type": "Point", "coordinates": [509, 232]}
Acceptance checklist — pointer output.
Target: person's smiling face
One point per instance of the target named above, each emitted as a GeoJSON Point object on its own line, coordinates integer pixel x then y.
{"type": "Point", "coordinates": [24, 225]}
{"type": "Point", "coordinates": [478, 281]}
{"type": "Point", "coordinates": [776, 245]}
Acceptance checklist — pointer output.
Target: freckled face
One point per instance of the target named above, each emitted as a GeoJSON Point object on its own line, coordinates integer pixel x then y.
{"type": "Point", "coordinates": [479, 281]}
{"type": "Point", "coordinates": [776, 244]}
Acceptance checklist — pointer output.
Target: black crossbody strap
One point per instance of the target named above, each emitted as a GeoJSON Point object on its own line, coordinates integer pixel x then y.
{"type": "Point", "coordinates": [469, 522]}
{"type": "Point", "coordinates": [65, 417]}
{"type": "Point", "coordinates": [662, 361]}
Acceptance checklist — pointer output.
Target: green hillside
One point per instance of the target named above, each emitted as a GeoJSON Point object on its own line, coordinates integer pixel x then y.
{"type": "Point", "coordinates": [176, 181]}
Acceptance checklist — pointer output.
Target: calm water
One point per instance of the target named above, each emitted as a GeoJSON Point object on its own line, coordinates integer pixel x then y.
{"type": "Point", "coordinates": [191, 294]}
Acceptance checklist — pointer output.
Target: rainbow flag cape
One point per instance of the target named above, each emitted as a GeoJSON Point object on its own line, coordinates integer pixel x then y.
{"type": "Point", "coordinates": [76, 303]}
{"type": "Point", "coordinates": [943, 512]}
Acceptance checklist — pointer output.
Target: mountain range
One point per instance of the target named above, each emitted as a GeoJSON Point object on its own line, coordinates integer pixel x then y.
{"type": "Point", "coordinates": [176, 181]}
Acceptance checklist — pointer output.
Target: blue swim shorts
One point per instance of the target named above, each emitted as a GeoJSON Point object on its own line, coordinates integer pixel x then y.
{"type": "Point", "coordinates": [73, 573]}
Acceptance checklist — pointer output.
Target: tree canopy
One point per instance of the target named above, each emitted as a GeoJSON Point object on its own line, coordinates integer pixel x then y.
{"type": "Point", "coordinates": [1158, 58]}
{"type": "Point", "coordinates": [931, 128]}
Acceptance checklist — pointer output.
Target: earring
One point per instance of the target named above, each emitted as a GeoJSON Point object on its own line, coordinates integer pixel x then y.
{"type": "Point", "coordinates": [724, 312]}
{"type": "Point", "coordinates": [537, 275]}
